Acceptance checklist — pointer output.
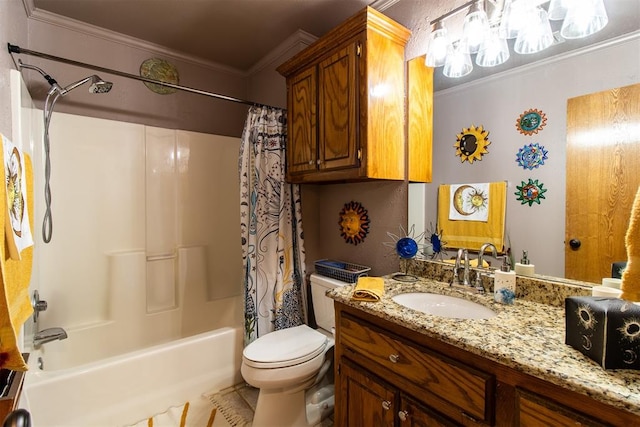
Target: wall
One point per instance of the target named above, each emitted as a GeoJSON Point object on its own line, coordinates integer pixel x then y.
{"type": "Point", "coordinates": [130, 100]}
{"type": "Point", "coordinates": [496, 103]}
{"type": "Point", "coordinates": [386, 203]}
{"type": "Point", "coordinates": [13, 26]}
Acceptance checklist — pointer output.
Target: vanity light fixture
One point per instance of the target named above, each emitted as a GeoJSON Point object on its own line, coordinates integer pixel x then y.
{"type": "Point", "coordinates": [526, 21]}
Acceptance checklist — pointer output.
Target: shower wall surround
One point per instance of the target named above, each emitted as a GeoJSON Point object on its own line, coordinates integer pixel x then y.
{"type": "Point", "coordinates": [145, 245]}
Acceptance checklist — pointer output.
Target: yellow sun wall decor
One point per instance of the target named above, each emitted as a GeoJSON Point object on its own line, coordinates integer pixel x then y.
{"type": "Point", "coordinates": [354, 223]}
{"type": "Point", "coordinates": [471, 144]}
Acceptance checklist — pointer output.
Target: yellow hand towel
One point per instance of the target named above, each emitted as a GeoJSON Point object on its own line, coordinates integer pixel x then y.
{"type": "Point", "coordinates": [472, 234]}
{"type": "Point", "coordinates": [631, 277]}
{"type": "Point", "coordinates": [369, 289]}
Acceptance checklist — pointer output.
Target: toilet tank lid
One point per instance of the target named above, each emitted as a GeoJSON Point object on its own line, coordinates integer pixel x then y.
{"type": "Point", "coordinates": [285, 344]}
{"type": "Point", "coordinates": [327, 282]}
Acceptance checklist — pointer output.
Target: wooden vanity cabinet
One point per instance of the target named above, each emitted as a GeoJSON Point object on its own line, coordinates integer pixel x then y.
{"type": "Point", "coordinates": [434, 387]}
{"type": "Point", "coordinates": [346, 103]}
{"type": "Point", "coordinates": [426, 382]}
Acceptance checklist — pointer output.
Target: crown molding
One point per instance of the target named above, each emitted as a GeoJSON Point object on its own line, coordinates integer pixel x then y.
{"type": "Point", "coordinates": [296, 41]}
{"type": "Point", "coordinates": [382, 5]}
{"type": "Point", "coordinates": [118, 38]}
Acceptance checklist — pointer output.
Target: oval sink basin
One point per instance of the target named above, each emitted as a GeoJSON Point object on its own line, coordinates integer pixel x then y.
{"type": "Point", "coordinates": [444, 305]}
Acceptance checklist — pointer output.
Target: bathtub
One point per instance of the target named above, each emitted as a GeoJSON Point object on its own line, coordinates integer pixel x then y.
{"type": "Point", "coordinates": [123, 389]}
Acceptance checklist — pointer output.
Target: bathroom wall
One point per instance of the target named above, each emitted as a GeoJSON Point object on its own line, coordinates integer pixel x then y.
{"type": "Point", "coordinates": [144, 249]}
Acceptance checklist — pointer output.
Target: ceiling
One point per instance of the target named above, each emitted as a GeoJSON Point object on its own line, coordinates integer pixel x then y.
{"type": "Point", "coordinates": [239, 33]}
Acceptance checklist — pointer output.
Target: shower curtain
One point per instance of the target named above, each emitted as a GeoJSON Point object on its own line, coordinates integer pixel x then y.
{"type": "Point", "coordinates": [271, 226]}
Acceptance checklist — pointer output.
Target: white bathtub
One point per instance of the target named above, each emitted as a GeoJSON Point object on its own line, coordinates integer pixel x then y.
{"type": "Point", "coordinates": [124, 389]}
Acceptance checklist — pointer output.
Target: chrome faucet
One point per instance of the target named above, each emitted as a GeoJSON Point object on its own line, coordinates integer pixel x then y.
{"type": "Point", "coordinates": [48, 335]}
{"type": "Point", "coordinates": [483, 248]}
{"type": "Point", "coordinates": [462, 253]}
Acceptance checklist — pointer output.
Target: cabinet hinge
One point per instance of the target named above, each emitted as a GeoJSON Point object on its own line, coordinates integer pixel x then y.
{"type": "Point", "coordinates": [359, 154]}
{"type": "Point", "coordinates": [359, 49]}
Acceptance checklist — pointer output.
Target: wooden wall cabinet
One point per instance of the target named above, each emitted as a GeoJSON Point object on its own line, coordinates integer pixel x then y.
{"type": "Point", "coordinates": [346, 104]}
{"type": "Point", "coordinates": [388, 375]}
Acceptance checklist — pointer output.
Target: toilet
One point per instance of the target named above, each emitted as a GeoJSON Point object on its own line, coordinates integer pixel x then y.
{"type": "Point", "coordinates": [293, 367]}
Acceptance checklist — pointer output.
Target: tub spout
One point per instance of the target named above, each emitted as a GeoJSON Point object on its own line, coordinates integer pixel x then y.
{"type": "Point", "coordinates": [48, 335]}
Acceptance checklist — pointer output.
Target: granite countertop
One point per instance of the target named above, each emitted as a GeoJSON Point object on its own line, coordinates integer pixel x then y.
{"type": "Point", "coordinates": [527, 336]}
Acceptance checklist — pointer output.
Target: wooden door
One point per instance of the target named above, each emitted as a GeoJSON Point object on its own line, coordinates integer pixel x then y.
{"type": "Point", "coordinates": [413, 414]}
{"type": "Point", "coordinates": [337, 92]}
{"type": "Point", "coordinates": [302, 147]}
{"type": "Point", "coordinates": [603, 174]}
{"type": "Point", "coordinates": [365, 400]}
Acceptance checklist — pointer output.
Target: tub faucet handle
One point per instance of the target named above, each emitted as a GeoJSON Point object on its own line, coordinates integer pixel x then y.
{"type": "Point", "coordinates": [38, 305]}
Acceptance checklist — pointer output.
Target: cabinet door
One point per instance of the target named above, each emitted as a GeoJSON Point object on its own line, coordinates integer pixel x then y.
{"type": "Point", "coordinates": [338, 104]}
{"type": "Point", "coordinates": [413, 414]}
{"type": "Point", "coordinates": [534, 410]}
{"type": "Point", "coordinates": [302, 147]}
{"type": "Point", "coordinates": [365, 400]}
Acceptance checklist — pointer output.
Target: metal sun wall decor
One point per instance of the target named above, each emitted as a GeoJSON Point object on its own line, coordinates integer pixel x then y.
{"type": "Point", "coordinates": [471, 144]}
{"type": "Point", "coordinates": [354, 223]}
{"type": "Point", "coordinates": [530, 192]}
{"type": "Point", "coordinates": [407, 244]}
{"type": "Point", "coordinates": [531, 122]}
{"type": "Point", "coordinates": [531, 156]}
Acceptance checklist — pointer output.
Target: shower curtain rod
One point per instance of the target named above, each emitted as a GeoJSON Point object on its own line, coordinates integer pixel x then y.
{"type": "Point", "coordinates": [17, 49]}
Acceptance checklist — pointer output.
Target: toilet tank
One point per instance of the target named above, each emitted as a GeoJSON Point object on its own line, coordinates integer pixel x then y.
{"type": "Point", "coordinates": [322, 304]}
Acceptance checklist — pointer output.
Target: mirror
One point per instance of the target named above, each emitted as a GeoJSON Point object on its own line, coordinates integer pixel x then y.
{"type": "Point", "coordinates": [496, 103]}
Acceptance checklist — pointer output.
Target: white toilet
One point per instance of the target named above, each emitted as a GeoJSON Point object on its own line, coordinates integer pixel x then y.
{"type": "Point", "coordinates": [289, 367]}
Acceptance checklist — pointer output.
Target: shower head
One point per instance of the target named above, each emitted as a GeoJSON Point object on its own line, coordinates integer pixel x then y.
{"type": "Point", "coordinates": [97, 85]}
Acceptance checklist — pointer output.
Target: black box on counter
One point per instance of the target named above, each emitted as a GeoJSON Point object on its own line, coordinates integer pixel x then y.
{"type": "Point", "coordinates": [606, 330]}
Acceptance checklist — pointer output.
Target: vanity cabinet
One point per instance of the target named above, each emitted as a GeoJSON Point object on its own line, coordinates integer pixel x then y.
{"type": "Point", "coordinates": [370, 401]}
{"type": "Point", "coordinates": [434, 386]}
{"type": "Point", "coordinates": [346, 104]}
{"type": "Point", "coordinates": [390, 375]}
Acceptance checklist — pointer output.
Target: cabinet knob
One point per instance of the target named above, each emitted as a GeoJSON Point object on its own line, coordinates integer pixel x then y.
{"type": "Point", "coordinates": [386, 405]}
{"type": "Point", "coordinates": [394, 358]}
{"type": "Point", "coordinates": [403, 415]}
{"type": "Point", "coordinates": [311, 162]}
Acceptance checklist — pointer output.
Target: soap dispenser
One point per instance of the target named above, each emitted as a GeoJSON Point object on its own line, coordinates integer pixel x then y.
{"type": "Point", "coordinates": [524, 267]}
{"type": "Point", "coordinates": [504, 284]}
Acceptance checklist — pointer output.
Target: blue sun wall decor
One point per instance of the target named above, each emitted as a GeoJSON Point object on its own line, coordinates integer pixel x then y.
{"type": "Point", "coordinates": [531, 156]}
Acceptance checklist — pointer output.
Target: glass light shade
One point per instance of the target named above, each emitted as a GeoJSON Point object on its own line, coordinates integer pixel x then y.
{"type": "Point", "coordinates": [536, 35]}
{"type": "Point", "coordinates": [514, 17]}
{"type": "Point", "coordinates": [584, 18]}
{"type": "Point", "coordinates": [439, 46]}
{"type": "Point", "coordinates": [494, 51]}
{"type": "Point", "coordinates": [475, 27]}
{"type": "Point", "coordinates": [557, 9]}
{"type": "Point", "coordinates": [458, 63]}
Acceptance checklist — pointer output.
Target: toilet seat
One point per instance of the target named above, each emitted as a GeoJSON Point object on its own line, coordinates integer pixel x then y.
{"type": "Point", "coordinates": [285, 347]}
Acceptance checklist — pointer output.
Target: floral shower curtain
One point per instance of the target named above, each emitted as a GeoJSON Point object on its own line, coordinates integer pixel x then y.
{"type": "Point", "coordinates": [271, 226]}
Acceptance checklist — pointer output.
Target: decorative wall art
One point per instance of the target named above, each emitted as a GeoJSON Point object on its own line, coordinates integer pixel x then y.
{"type": "Point", "coordinates": [159, 69]}
{"type": "Point", "coordinates": [354, 223]}
{"type": "Point", "coordinates": [531, 122]}
{"type": "Point", "coordinates": [471, 144]}
{"type": "Point", "coordinates": [469, 202]}
{"type": "Point", "coordinates": [531, 156]}
{"type": "Point", "coordinates": [436, 247]}
{"type": "Point", "coordinates": [530, 192]}
{"type": "Point", "coordinates": [407, 245]}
